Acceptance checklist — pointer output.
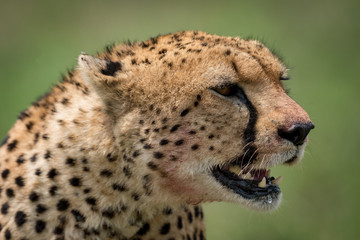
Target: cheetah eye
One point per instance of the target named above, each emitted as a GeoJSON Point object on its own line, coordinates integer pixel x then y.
{"type": "Point", "coordinates": [226, 91]}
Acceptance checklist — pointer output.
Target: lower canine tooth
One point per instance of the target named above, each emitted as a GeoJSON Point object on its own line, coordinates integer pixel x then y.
{"type": "Point", "coordinates": [262, 184]}
{"type": "Point", "coordinates": [247, 176]}
{"type": "Point", "coordinates": [277, 181]}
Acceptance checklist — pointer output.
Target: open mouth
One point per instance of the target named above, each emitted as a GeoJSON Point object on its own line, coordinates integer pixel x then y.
{"type": "Point", "coordinates": [252, 184]}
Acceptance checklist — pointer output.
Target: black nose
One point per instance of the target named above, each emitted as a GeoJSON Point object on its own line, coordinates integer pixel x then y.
{"type": "Point", "coordinates": [296, 133]}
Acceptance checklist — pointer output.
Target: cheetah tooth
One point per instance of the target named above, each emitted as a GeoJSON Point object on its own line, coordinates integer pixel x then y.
{"type": "Point", "coordinates": [247, 176]}
{"type": "Point", "coordinates": [277, 181]}
{"type": "Point", "coordinates": [235, 169]}
{"type": "Point", "coordinates": [262, 184]}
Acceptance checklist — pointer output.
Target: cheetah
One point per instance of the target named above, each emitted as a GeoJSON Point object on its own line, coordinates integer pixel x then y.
{"type": "Point", "coordinates": [132, 142]}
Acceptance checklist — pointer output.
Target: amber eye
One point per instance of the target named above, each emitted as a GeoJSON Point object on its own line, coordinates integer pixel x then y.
{"type": "Point", "coordinates": [226, 91]}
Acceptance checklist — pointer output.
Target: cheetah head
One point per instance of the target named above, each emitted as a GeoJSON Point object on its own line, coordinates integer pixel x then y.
{"type": "Point", "coordinates": [207, 115]}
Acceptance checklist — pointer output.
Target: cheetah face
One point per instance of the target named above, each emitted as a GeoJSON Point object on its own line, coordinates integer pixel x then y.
{"type": "Point", "coordinates": [209, 118]}
{"type": "Point", "coordinates": [247, 173]}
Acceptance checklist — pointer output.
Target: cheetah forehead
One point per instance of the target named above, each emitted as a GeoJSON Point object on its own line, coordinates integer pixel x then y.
{"type": "Point", "coordinates": [180, 64]}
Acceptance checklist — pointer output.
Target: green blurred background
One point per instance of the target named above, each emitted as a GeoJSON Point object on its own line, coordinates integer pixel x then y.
{"type": "Point", "coordinates": [319, 40]}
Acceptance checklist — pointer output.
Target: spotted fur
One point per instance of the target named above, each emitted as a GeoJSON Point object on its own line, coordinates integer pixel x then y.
{"type": "Point", "coordinates": [123, 147]}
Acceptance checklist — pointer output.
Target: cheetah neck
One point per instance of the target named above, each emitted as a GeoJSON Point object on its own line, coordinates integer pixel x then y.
{"type": "Point", "coordinates": [80, 166]}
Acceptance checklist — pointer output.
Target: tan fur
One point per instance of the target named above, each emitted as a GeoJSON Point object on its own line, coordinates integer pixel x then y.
{"type": "Point", "coordinates": [129, 143]}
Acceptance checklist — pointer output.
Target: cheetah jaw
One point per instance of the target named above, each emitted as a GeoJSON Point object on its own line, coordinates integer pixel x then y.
{"type": "Point", "coordinates": [251, 184]}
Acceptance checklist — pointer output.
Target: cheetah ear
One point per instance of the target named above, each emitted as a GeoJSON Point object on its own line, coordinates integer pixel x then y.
{"type": "Point", "coordinates": [104, 76]}
{"type": "Point", "coordinates": [98, 71]}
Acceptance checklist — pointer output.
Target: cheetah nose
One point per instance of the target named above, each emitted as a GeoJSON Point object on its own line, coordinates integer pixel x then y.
{"type": "Point", "coordinates": [296, 133]}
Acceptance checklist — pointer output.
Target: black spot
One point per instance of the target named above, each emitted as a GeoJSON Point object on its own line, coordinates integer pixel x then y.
{"type": "Point", "coordinates": [33, 158]}
{"type": "Point", "coordinates": [108, 213]}
{"type": "Point", "coordinates": [53, 190]}
{"type": "Point", "coordinates": [234, 67]}
{"type": "Point", "coordinates": [34, 196]}
{"type": "Point", "coordinates": [40, 208]}
{"type": "Point", "coordinates": [228, 52]}
{"type": "Point", "coordinates": [62, 205]}
{"type": "Point", "coordinates": [164, 142]}
{"type": "Point", "coordinates": [71, 162]}
{"type": "Point", "coordinates": [37, 172]}
{"type": "Point", "coordinates": [20, 218]}
{"type": "Point", "coordinates": [20, 160]}
{"type": "Point", "coordinates": [190, 217]}
{"type": "Point", "coordinates": [196, 104]}
{"type": "Point", "coordinates": [20, 181]}
{"type": "Point", "coordinates": [58, 230]}
{"type": "Point", "coordinates": [10, 192]}
{"type": "Point", "coordinates": [202, 128]}
{"type": "Point", "coordinates": [143, 230]}
{"type": "Point", "coordinates": [45, 136]}
{"type": "Point", "coordinates": [5, 208]}
{"type": "Point", "coordinates": [78, 215]}
{"type": "Point", "coordinates": [167, 211]}
{"type": "Point", "coordinates": [158, 155]}
{"type": "Point", "coordinates": [4, 141]}
{"type": "Point", "coordinates": [135, 196]}
{"type": "Point", "coordinates": [194, 147]}
{"type": "Point", "coordinates": [75, 181]}
{"type": "Point", "coordinates": [111, 158]}
{"type": "Point", "coordinates": [111, 68]}
{"type": "Point", "coordinates": [197, 211]}
{"type": "Point", "coordinates": [40, 226]}
{"type": "Point", "coordinates": [119, 187]}
{"type": "Point", "coordinates": [87, 190]}
{"type": "Point", "coordinates": [201, 235]}
{"type": "Point", "coordinates": [163, 51]}
{"type": "Point", "coordinates": [192, 132]}
{"type": "Point", "coordinates": [5, 173]}
{"type": "Point", "coordinates": [152, 165]}
{"type": "Point", "coordinates": [11, 146]}
{"type": "Point", "coordinates": [36, 138]}
{"type": "Point", "coordinates": [52, 173]}
{"type": "Point", "coordinates": [165, 229]}
{"type": "Point", "coordinates": [198, 97]}
{"type": "Point", "coordinates": [183, 113]}
{"type": "Point", "coordinates": [29, 126]}
{"type": "Point", "coordinates": [126, 170]}
{"type": "Point", "coordinates": [136, 153]}
{"type": "Point", "coordinates": [91, 200]}
{"type": "Point", "coordinates": [147, 146]}
{"type": "Point", "coordinates": [211, 136]}
{"type": "Point", "coordinates": [47, 155]}
{"type": "Point", "coordinates": [7, 234]}
{"type": "Point", "coordinates": [175, 127]}
{"type": "Point", "coordinates": [179, 142]}
{"type": "Point", "coordinates": [23, 115]}
{"type": "Point", "coordinates": [106, 173]}
{"type": "Point", "coordinates": [144, 45]}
